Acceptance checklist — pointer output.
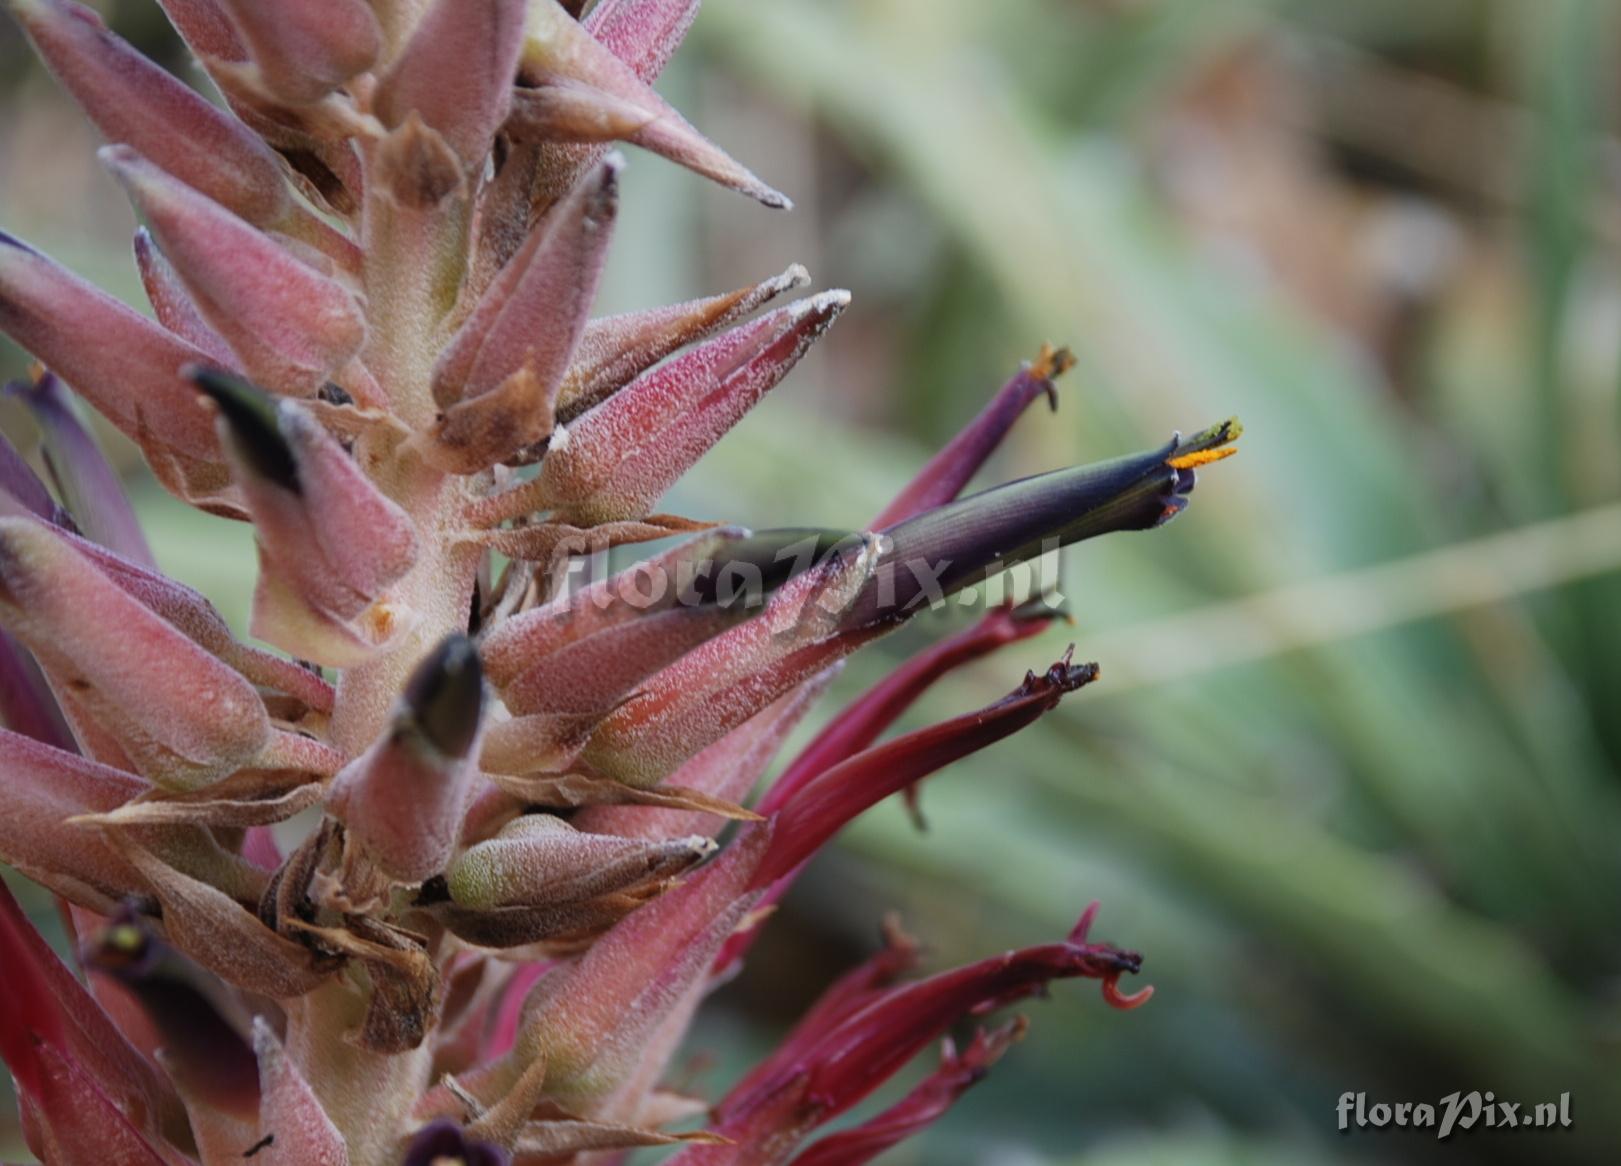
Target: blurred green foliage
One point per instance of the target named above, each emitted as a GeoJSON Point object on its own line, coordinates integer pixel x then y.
{"type": "Point", "coordinates": [1350, 778]}
{"type": "Point", "coordinates": [1385, 863]}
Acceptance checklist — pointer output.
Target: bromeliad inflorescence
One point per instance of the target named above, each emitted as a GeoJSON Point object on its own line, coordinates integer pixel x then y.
{"type": "Point", "coordinates": [372, 268]}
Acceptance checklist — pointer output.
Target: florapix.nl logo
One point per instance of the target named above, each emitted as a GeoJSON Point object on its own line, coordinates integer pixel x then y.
{"type": "Point", "coordinates": [1454, 1113]}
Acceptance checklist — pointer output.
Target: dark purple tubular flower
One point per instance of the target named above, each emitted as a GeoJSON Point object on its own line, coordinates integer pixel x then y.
{"type": "Point", "coordinates": [444, 1143]}
{"type": "Point", "coordinates": [939, 552]}
{"type": "Point", "coordinates": [208, 1059]}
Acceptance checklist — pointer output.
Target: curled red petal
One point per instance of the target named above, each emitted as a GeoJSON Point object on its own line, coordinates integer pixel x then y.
{"type": "Point", "coordinates": [852, 1057]}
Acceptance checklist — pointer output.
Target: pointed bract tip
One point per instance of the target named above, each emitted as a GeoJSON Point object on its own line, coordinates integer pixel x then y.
{"type": "Point", "coordinates": [1083, 925]}
{"type": "Point", "coordinates": [254, 418]}
{"type": "Point", "coordinates": [796, 276]}
{"type": "Point", "coordinates": [833, 300]}
{"type": "Point", "coordinates": [446, 695]}
{"type": "Point", "coordinates": [1122, 963]}
{"type": "Point", "coordinates": [821, 309]}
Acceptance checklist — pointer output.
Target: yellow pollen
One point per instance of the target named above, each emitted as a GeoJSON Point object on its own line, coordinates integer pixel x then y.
{"type": "Point", "coordinates": [1052, 363]}
{"type": "Point", "coordinates": [1201, 457]}
{"type": "Point", "coordinates": [124, 938]}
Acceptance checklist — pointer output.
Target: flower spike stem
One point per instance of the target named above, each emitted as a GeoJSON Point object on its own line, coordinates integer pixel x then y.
{"type": "Point", "coordinates": [438, 866]}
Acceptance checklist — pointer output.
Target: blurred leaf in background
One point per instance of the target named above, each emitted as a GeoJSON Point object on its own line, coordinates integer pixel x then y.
{"type": "Point", "coordinates": [1350, 780]}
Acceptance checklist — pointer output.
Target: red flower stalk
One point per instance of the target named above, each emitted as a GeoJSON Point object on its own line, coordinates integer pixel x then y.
{"type": "Point", "coordinates": [372, 269]}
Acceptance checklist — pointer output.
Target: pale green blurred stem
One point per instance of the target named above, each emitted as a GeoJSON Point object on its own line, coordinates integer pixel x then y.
{"type": "Point", "coordinates": [1474, 573]}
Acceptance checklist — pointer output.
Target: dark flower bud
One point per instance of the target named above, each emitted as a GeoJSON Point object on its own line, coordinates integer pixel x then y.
{"type": "Point", "coordinates": [446, 696]}
{"type": "Point", "coordinates": [208, 1058]}
{"type": "Point", "coordinates": [444, 1142]}
{"type": "Point", "coordinates": [255, 424]}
